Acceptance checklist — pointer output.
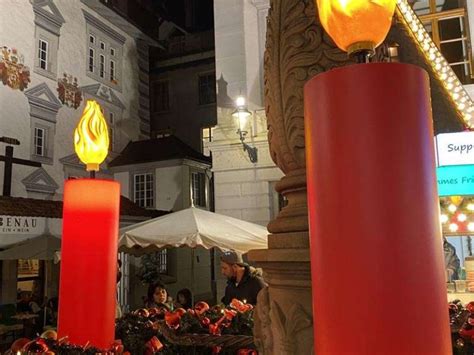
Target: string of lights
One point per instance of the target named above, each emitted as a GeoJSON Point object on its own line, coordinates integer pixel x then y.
{"type": "Point", "coordinates": [443, 70]}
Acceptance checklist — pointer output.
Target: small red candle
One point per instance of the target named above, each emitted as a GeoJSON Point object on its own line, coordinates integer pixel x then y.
{"type": "Point", "coordinates": [87, 292]}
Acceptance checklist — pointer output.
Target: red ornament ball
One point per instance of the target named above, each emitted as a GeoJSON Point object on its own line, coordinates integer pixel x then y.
{"type": "Point", "coordinates": [142, 312]}
{"type": "Point", "coordinates": [470, 307]}
{"type": "Point", "coordinates": [36, 346]}
{"type": "Point", "coordinates": [201, 307]}
{"type": "Point", "coordinates": [180, 311]}
{"type": "Point", "coordinates": [19, 344]}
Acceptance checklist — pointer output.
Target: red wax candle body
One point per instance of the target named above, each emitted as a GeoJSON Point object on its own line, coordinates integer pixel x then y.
{"type": "Point", "coordinates": [87, 291]}
{"type": "Point", "coordinates": [376, 249]}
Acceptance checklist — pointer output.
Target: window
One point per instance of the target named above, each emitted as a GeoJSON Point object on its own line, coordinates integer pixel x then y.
{"type": "Point", "coordinates": [40, 142]}
{"type": "Point", "coordinates": [46, 37]}
{"type": "Point", "coordinates": [107, 46]}
{"type": "Point", "coordinates": [112, 70]}
{"type": "Point", "coordinates": [99, 52]}
{"type": "Point", "coordinates": [42, 126]}
{"type": "Point", "coordinates": [143, 189]}
{"type": "Point", "coordinates": [277, 200]}
{"type": "Point", "coordinates": [102, 65]}
{"type": "Point", "coordinates": [161, 261]}
{"type": "Point", "coordinates": [207, 89]}
{"type": "Point", "coordinates": [282, 202]}
{"type": "Point", "coordinates": [91, 60]}
{"type": "Point", "coordinates": [111, 130]}
{"type": "Point", "coordinates": [46, 50]}
{"type": "Point", "coordinates": [161, 101]}
{"type": "Point", "coordinates": [446, 22]}
{"type": "Point", "coordinates": [124, 283]}
{"type": "Point", "coordinates": [43, 54]}
{"type": "Point", "coordinates": [198, 182]}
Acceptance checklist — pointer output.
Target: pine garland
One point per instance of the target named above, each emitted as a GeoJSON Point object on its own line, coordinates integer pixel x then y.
{"type": "Point", "coordinates": [140, 332]}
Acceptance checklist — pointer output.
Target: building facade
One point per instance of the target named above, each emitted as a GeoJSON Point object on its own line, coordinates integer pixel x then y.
{"type": "Point", "coordinates": [54, 56]}
{"type": "Point", "coordinates": [183, 87]}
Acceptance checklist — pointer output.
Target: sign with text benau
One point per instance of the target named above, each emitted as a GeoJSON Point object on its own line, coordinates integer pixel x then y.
{"type": "Point", "coordinates": [21, 225]}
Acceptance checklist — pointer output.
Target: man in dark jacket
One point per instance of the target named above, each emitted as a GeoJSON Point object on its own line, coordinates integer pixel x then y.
{"type": "Point", "coordinates": [243, 281]}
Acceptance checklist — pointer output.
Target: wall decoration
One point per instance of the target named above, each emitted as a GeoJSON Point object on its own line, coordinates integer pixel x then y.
{"type": "Point", "coordinates": [69, 92]}
{"type": "Point", "coordinates": [13, 72]}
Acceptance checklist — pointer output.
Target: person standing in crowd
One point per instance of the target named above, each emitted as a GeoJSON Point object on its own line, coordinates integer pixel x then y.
{"type": "Point", "coordinates": [158, 296]}
{"type": "Point", "coordinates": [451, 261]}
{"type": "Point", "coordinates": [184, 299]}
{"type": "Point", "coordinates": [243, 281]}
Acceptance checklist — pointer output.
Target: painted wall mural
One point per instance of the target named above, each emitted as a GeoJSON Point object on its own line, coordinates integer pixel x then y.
{"type": "Point", "coordinates": [13, 72]}
{"type": "Point", "coordinates": [69, 92]}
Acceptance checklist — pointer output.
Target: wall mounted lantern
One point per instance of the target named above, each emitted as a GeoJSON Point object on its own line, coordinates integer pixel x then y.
{"type": "Point", "coordinates": [242, 114]}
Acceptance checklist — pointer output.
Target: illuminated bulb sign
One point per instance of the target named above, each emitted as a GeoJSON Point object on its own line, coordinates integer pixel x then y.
{"type": "Point", "coordinates": [455, 163]}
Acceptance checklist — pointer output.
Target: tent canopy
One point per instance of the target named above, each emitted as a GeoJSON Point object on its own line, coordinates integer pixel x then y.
{"type": "Point", "coordinates": [42, 247]}
{"type": "Point", "coordinates": [192, 227]}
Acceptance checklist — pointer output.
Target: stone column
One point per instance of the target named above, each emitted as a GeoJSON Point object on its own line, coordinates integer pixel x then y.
{"type": "Point", "coordinates": [296, 49]}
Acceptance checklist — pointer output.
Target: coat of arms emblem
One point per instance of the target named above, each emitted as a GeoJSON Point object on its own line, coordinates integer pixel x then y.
{"type": "Point", "coordinates": [69, 92]}
{"type": "Point", "coordinates": [13, 72]}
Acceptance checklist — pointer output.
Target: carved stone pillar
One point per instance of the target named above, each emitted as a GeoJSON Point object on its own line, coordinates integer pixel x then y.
{"type": "Point", "coordinates": [296, 49]}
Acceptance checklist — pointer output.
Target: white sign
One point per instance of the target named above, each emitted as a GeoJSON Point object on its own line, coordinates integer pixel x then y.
{"type": "Point", "coordinates": [15, 229]}
{"type": "Point", "coordinates": [21, 225]}
{"type": "Point", "coordinates": [455, 148]}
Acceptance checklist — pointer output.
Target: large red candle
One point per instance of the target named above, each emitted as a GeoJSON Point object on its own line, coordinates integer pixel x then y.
{"type": "Point", "coordinates": [87, 294]}
{"type": "Point", "coordinates": [376, 250]}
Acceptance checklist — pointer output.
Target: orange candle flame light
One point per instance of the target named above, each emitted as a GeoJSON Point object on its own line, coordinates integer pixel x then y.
{"type": "Point", "coordinates": [91, 137]}
{"type": "Point", "coordinates": [356, 24]}
{"type": "Point", "coordinates": [87, 290]}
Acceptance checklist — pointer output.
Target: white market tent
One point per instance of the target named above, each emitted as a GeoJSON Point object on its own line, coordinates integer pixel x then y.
{"type": "Point", "coordinates": [42, 247]}
{"type": "Point", "coordinates": [192, 227]}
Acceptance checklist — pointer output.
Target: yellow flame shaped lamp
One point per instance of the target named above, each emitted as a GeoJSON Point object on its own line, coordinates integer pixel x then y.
{"type": "Point", "coordinates": [356, 25]}
{"type": "Point", "coordinates": [91, 137]}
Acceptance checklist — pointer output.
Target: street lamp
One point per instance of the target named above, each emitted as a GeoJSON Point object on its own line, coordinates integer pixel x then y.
{"type": "Point", "coordinates": [242, 114]}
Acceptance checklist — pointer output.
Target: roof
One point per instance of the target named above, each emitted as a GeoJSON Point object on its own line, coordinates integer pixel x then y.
{"type": "Point", "coordinates": [19, 206]}
{"type": "Point", "coordinates": [157, 149]}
